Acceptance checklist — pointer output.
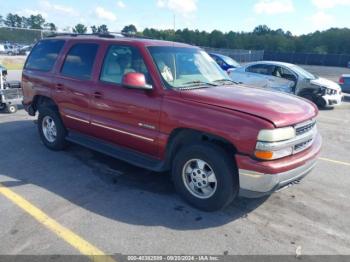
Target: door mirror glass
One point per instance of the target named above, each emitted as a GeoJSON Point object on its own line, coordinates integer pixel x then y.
{"type": "Point", "coordinates": [136, 81]}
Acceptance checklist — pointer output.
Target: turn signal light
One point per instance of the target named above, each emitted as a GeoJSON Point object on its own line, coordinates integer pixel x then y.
{"type": "Point", "coordinates": [266, 155]}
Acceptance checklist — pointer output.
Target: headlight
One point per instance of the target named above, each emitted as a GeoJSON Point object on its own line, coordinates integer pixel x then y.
{"type": "Point", "coordinates": [331, 91]}
{"type": "Point", "coordinates": [269, 146]}
{"type": "Point", "coordinates": [276, 135]}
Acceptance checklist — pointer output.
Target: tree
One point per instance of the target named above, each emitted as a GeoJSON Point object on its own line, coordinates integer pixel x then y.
{"type": "Point", "coordinates": [35, 22]}
{"type": "Point", "coordinates": [261, 30]}
{"type": "Point", "coordinates": [102, 29]}
{"type": "Point", "coordinates": [94, 29]}
{"type": "Point", "coordinates": [130, 30]}
{"type": "Point", "coordinates": [1, 20]}
{"type": "Point", "coordinates": [50, 26]}
{"type": "Point", "coordinates": [80, 29]}
{"type": "Point", "coordinates": [10, 20]}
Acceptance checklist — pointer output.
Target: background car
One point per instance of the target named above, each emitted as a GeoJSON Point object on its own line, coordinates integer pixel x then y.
{"type": "Point", "coordinates": [344, 83]}
{"type": "Point", "coordinates": [9, 49]}
{"type": "Point", "coordinates": [3, 70]}
{"type": "Point", "coordinates": [289, 78]}
{"type": "Point", "coordinates": [25, 50]}
{"type": "Point", "coordinates": [225, 62]}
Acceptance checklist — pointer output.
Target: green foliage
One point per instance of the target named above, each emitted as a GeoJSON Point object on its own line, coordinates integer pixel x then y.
{"type": "Point", "coordinates": [332, 41]}
{"type": "Point", "coordinates": [129, 29]}
{"type": "Point", "coordinates": [102, 29]}
{"type": "Point", "coordinates": [80, 29]}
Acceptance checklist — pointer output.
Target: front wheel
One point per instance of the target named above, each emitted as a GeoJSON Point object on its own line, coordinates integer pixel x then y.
{"type": "Point", "coordinates": [205, 176]}
{"type": "Point", "coordinates": [51, 129]}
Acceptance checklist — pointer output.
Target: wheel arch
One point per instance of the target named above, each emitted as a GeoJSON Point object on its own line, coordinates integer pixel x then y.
{"type": "Point", "coordinates": [43, 101]}
{"type": "Point", "coordinates": [181, 137]}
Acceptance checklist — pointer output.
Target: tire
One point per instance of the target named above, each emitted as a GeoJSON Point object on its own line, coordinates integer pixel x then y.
{"type": "Point", "coordinates": [321, 103]}
{"type": "Point", "coordinates": [2, 106]}
{"type": "Point", "coordinates": [54, 136]}
{"type": "Point", "coordinates": [11, 109]}
{"type": "Point", "coordinates": [185, 171]}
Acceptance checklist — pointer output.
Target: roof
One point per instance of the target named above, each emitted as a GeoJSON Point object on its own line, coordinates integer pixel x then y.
{"type": "Point", "coordinates": [119, 38]}
{"type": "Point", "coordinates": [272, 63]}
{"type": "Point", "coordinates": [219, 55]}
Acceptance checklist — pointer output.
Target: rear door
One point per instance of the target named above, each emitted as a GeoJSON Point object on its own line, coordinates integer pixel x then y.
{"type": "Point", "coordinates": [257, 75]}
{"type": "Point", "coordinates": [73, 84]}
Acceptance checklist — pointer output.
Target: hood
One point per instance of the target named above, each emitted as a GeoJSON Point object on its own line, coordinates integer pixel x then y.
{"type": "Point", "coordinates": [279, 108]}
{"type": "Point", "coordinates": [326, 83]}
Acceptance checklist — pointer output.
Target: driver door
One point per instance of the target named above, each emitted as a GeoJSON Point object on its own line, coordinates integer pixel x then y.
{"type": "Point", "coordinates": [122, 116]}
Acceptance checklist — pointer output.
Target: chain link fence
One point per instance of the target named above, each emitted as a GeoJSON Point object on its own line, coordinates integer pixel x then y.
{"type": "Point", "coordinates": [309, 59]}
{"type": "Point", "coordinates": [241, 56]}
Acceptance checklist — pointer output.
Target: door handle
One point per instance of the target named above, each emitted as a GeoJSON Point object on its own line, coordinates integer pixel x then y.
{"type": "Point", "coordinates": [59, 87]}
{"type": "Point", "coordinates": [97, 95]}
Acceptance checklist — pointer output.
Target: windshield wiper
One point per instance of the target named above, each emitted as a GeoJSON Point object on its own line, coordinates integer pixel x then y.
{"type": "Point", "coordinates": [198, 83]}
{"type": "Point", "coordinates": [225, 81]}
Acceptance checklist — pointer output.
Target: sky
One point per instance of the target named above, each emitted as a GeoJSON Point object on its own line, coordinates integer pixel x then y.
{"type": "Point", "coordinates": [297, 16]}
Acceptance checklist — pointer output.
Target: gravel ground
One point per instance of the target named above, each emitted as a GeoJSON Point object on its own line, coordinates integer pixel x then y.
{"type": "Point", "coordinates": [120, 208]}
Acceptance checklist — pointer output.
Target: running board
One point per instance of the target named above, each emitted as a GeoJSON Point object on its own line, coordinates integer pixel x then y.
{"type": "Point", "coordinates": [118, 152]}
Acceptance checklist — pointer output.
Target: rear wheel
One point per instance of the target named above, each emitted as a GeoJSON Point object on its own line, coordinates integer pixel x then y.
{"type": "Point", "coordinates": [11, 109]}
{"type": "Point", "coordinates": [205, 176]}
{"type": "Point", "coordinates": [51, 129]}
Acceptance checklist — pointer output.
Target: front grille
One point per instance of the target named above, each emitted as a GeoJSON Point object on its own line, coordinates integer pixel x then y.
{"type": "Point", "coordinates": [306, 133]}
{"type": "Point", "coordinates": [304, 128]}
{"type": "Point", "coordinates": [302, 146]}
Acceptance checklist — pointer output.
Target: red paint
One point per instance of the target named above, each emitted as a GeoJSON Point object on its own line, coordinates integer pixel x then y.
{"type": "Point", "coordinates": [235, 113]}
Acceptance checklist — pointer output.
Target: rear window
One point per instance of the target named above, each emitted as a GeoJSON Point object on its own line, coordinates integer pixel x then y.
{"type": "Point", "coordinates": [44, 55]}
{"type": "Point", "coordinates": [79, 61]}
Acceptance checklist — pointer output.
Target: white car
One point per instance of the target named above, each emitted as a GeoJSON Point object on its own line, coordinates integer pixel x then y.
{"type": "Point", "coordinates": [291, 79]}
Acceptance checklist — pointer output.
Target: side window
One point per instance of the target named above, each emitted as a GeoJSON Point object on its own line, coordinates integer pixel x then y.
{"type": "Point", "coordinates": [79, 61]}
{"type": "Point", "coordinates": [44, 55]}
{"type": "Point", "coordinates": [218, 61]}
{"type": "Point", "coordinates": [121, 60]}
{"type": "Point", "coordinates": [260, 69]}
{"type": "Point", "coordinates": [287, 74]}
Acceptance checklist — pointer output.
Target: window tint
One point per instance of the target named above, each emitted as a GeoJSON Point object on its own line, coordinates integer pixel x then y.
{"type": "Point", "coordinates": [44, 54]}
{"type": "Point", "coordinates": [282, 72]}
{"type": "Point", "coordinates": [261, 69]}
{"type": "Point", "coordinates": [79, 61]}
{"type": "Point", "coordinates": [121, 60]}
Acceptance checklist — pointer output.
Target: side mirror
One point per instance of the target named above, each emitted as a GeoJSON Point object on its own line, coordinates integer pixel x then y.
{"type": "Point", "coordinates": [136, 81]}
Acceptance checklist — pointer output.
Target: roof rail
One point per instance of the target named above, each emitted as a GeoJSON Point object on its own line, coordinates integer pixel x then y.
{"type": "Point", "coordinates": [103, 35]}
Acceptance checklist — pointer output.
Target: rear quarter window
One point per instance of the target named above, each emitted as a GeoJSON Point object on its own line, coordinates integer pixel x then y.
{"type": "Point", "coordinates": [44, 55]}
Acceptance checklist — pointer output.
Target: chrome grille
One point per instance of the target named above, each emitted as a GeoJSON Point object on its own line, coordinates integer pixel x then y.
{"type": "Point", "coordinates": [304, 128]}
{"type": "Point", "coordinates": [306, 132]}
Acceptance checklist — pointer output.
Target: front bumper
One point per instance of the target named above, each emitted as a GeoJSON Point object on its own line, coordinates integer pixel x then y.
{"type": "Point", "coordinates": [332, 100]}
{"type": "Point", "coordinates": [258, 179]}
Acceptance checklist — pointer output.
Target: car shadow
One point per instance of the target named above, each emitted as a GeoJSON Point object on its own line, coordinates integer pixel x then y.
{"type": "Point", "coordinates": [104, 185]}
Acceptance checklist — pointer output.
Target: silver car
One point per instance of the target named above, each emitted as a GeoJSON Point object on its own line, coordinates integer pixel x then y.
{"type": "Point", "coordinates": [291, 79]}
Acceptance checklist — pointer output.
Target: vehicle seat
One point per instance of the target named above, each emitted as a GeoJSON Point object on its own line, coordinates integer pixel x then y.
{"type": "Point", "coordinates": [112, 73]}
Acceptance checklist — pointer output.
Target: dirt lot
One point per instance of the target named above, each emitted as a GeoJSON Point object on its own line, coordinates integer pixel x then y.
{"type": "Point", "coordinates": [119, 208]}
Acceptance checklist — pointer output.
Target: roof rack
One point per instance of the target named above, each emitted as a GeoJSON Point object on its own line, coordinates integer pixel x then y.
{"type": "Point", "coordinates": [103, 35]}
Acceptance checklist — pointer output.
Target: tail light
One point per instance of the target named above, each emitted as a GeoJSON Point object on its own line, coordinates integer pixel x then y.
{"type": "Point", "coordinates": [341, 81]}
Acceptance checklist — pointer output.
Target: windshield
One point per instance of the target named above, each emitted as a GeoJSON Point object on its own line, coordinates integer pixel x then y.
{"type": "Point", "coordinates": [182, 67]}
{"type": "Point", "coordinates": [303, 72]}
{"type": "Point", "coordinates": [230, 61]}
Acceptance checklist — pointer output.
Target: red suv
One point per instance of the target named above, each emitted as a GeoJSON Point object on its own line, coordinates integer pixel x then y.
{"type": "Point", "coordinates": [168, 106]}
